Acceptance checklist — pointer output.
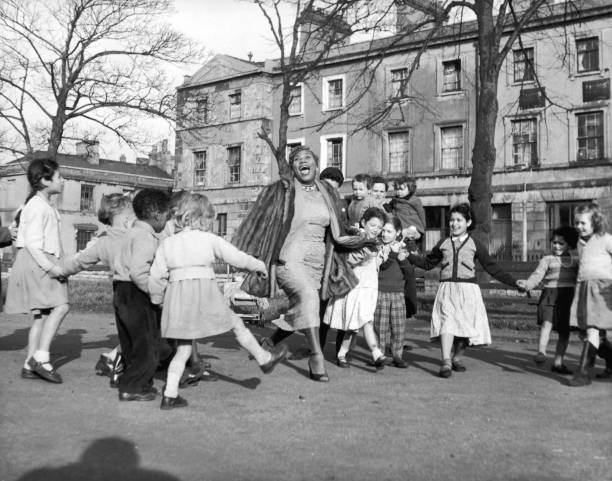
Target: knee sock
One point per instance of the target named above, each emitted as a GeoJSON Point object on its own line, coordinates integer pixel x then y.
{"type": "Point", "coordinates": [246, 339]}
{"type": "Point", "coordinates": [175, 370]}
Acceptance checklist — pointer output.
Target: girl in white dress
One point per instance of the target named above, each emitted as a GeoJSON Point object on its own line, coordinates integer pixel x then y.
{"type": "Point", "coordinates": [36, 284]}
{"type": "Point", "coordinates": [355, 310]}
{"type": "Point", "coordinates": [183, 279]}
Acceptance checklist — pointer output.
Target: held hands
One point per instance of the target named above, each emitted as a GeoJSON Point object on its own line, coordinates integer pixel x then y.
{"type": "Point", "coordinates": [56, 272]}
{"type": "Point", "coordinates": [261, 270]}
{"type": "Point", "coordinates": [521, 285]}
{"type": "Point", "coordinates": [13, 230]}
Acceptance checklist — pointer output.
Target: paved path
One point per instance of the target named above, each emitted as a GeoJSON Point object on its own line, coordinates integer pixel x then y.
{"type": "Point", "coordinates": [504, 419]}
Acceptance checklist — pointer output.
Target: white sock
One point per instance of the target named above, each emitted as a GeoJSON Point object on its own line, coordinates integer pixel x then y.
{"type": "Point", "coordinates": [113, 354]}
{"type": "Point", "coordinates": [41, 356]}
{"type": "Point", "coordinates": [376, 353]}
{"type": "Point", "coordinates": [342, 352]}
{"type": "Point", "coordinates": [175, 371]}
{"type": "Point", "coordinates": [246, 339]}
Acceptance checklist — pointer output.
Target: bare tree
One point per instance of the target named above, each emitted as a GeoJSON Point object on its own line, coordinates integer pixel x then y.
{"type": "Point", "coordinates": [93, 61]}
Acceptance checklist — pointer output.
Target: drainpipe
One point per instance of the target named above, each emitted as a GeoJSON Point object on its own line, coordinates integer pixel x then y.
{"type": "Point", "coordinates": [524, 209]}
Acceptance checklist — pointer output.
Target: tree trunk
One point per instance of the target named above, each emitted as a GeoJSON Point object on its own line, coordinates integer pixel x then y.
{"type": "Point", "coordinates": [56, 135]}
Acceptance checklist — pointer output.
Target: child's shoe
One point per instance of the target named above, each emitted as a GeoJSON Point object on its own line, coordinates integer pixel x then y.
{"type": "Point", "coordinates": [539, 358]}
{"type": "Point", "coordinates": [458, 366]}
{"type": "Point", "coordinates": [399, 362]}
{"type": "Point", "coordinates": [342, 362]}
{"type": "Point", "coordinates": [168, 403]}
{"type": "Point", "coordinates": [279, 352]}
{"type": "Point", "coordinates": [561, 369]}
{"type": "Point", "coordinates": [381, 362]}
{"type": "Point", "coordinates": [446, 370]}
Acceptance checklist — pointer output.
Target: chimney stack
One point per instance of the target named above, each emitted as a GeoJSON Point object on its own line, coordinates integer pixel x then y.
{"type": "Point", "coordinates": [90, 149]}
{"type": "Point", "coordinates": [319, 30]}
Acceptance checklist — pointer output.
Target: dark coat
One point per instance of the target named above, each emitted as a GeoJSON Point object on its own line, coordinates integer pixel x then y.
{"type": "Point", "coordinates": [264, 230]}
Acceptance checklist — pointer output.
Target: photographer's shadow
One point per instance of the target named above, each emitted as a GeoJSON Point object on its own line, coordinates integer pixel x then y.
{"type": "Point", "coordinates": [107, 458]}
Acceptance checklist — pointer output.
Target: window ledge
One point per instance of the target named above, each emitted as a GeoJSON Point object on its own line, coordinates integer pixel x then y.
{"type": "Point", "coordinates": [524, 83]}
{"type": "Point", "coordinates": [590, 73]}
{"type": "Point", "coordinates": [451, 94]}
{"type": "Point", "coordinates": [332, 109]}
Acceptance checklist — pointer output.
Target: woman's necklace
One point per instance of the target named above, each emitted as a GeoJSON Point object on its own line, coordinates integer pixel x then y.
{"type": "Point", "coordinates": [309, 187]}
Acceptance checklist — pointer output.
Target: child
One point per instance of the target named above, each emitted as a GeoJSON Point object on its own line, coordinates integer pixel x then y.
{"type": "Point", "coordinates": [115, 211]}
{"type": "Point", "coordinates": [592, 305]}
{"type": "Point", "coordinates": [389, 316]}
{"type": "Point", "coordinates": [355, 310]}
{"type": "Point", "coordinates": [557, 272]}
{"type": "Point", "coordinates": [459, 315]}
{"type": "Point", "coordinates": [182, 277]}
{"type": "Point", "coordinates": [333, 176]}
{"type": "Point", "coordinates": [408, 208]}
{"type": "Point", "coordinates": [362, 183]}
{"type": "Point", "coordinates": [137, 319]}
{"type": "Point", "coordinates": [36, 284]}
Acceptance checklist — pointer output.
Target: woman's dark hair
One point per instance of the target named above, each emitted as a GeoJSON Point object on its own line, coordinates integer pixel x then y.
{"type": "Point", "coordinates": [38, 169]}
{"type": "Point", "coordinates": [465, 211]}
{"type": "Point", "coordinates": [380, 180]}
{"type": "Point", "coordinates": [569, 234]}
{"type": "Point", "coordinates": [297, 150]}
{"type": "Point", "coordinates": [372, 212]}
{"type": "Point", "coordinates": [150, 202]}
{"type": "Point", "coordinates": [332, 173]}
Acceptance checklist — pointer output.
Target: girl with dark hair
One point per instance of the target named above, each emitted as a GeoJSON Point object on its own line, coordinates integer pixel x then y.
{"type": "Point", "coordinates": [557, 272]}
{"type": "Point", "coordinates": [36, 284]}
{"type": "Point", "coordinates": [459, 316]}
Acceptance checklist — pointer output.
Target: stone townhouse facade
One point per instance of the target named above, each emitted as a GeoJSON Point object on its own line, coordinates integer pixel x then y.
{"type": "Point", "coordinates": [553, 137]}
{"type": "Point", "coordinates": [87, 179]}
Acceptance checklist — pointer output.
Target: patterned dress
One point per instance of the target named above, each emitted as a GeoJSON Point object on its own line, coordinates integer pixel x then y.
{"type": "Point", "coordinates": [302, 257]}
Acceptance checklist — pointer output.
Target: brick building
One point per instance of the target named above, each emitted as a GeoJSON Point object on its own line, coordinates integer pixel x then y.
{"type": "Point", "coordinates": [87, 179]}
{"type": "Point", "coordinates": [553, 138]}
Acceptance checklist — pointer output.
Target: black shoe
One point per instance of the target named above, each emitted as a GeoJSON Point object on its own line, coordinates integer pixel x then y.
{"type": "Point", "coordinates": [141, 396]}
{"type": "Point", "coordinates": [168, 403]}
{"type": "Point", "coordinates": [399, 362]}
{"type": "Point", "coordinates": [104, 366]}
{"type": "Point", "coordinates": [605, 374]}
{"type": "Point", "coordinates": [458, 366]}
{"type": "Point", "coordinates": [381, 362]}
{"type": "Point", "coordinates": [47, 374]}
{"type": "Point", "coordinates": [343, 363]}
{"type": "Point", "coordinates": [28, 374]}
{"type": "Point", "coordinates": [587, 357]}
{"type": "Point", "coordinates": [561, 369]}
{"type": "Point", "coordinates": [446, 370]}
{"type": "Point", "coordinates": [279, 352]}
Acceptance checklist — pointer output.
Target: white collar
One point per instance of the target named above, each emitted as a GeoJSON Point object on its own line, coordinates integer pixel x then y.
{"type": "Point", "coordinates": [461, 238]}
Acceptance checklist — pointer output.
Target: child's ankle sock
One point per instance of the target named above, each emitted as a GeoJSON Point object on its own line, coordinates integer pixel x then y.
{"type": "Point", "coordinates": [377, 353]}
{"type": "Point", "coordinates": [175, 371]}
{"type": "Point", "coordinates": [247, 340]}
{"type": "Point", "coordinates": [41, 356]}
{"type": "Point", "coordinates": [342, 352]}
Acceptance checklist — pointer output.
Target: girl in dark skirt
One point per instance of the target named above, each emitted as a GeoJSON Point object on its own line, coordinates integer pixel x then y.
{"type": "Point", "coordinates": [557, 274]}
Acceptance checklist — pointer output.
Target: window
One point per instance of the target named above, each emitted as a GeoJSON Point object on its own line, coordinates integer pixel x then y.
{"type": "Point", "coordinates": [202, 109]}
{"type": "Point", "coordinates": [399, 82]}
{"type": "Point", "coordinates": [561, 214]}
{"type": "Point", "coordinates": [87, 203]}
{"type": "Point", "coordinates": [199, 168]}
{"type": "Point", "coordinates": [587, 52]}
{"type": "Point", "coordinates": [500, 243]}
{"type": "Point", "coordinates": [335, 154]}
{"type": "Point", "coordinates": [451, 76]}
{"type": "Point", "coordinates": [221, 225]}
{"type": "Point", "coordinates": [295, 107]}
{"type": "Point", "coordinates": [523, 65]}
{"type": "Point", "coordinates": [333, 93]}
{"type": "Point", "coordinates": [399, 151]}
{"type": "Point", "coordinates": [235, 101]}
{"type": "Point", "coordinates": [524, 142]}
{"type": "Point", "coordinates": [233, 163]}
{"type": "Point", "coordinates": [292, 144]}
{"type": "Point", "coordinates": [83, 236]}
{"type": "Point", "coordinates": [590, 136]}
{"type": "Point", "coordinates": [451, 147]}
{"type": "Point", "coordinates": [436, 225]}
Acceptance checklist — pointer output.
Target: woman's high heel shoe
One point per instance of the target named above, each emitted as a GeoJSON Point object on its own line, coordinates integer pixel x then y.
{"type": "Point", "coordinates": [317, 377]}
